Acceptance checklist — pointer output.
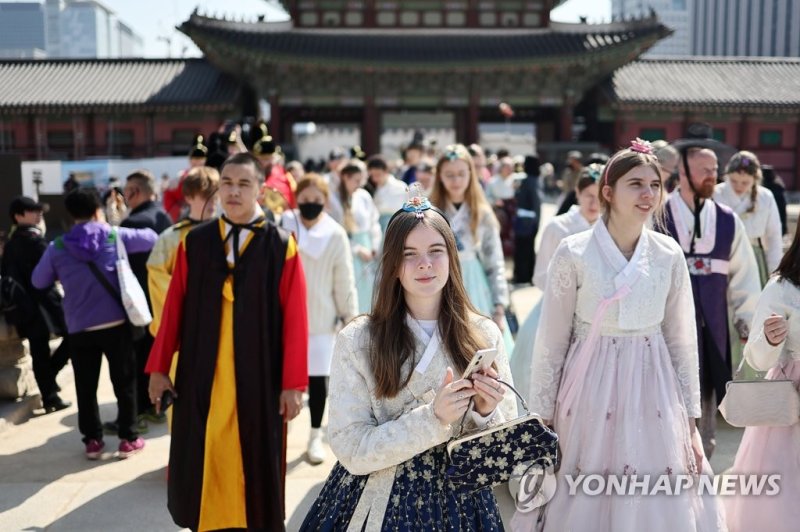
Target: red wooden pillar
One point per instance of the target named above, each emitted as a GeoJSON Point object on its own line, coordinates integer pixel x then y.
{"type": "Point", "coordinates": [796, 170]}
{"type": "Point", "coordinates": [370, 127]}
{"type": "Point", "coordinates": [275, 118]}
{"type": "Point", "coordinates": [742, 144]}
{"type": "Point", "coordinates": [565, 121]}
{"type": "Point", "coordinates": [471, 134]}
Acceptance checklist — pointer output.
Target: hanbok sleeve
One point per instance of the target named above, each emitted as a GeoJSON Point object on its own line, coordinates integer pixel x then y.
{"type": "Point", "coordinates": [376, 236]}
{"type": "Point", "coordinates": [550, 239]}
{"type": "Point", "coordinates": [159, 271]}
{"type": "Point", "coordinates": [743, 282]}
{"type": "Point", "coordinates": [680, 335]}
{"type": "Point", "coordinates": [167, 340]}
{"type": "Point", "coordinates": [360, 443]}
{"type": "Point", "coordinates": [507, 409]}
{"type": "Point", "coordinates": [344, 285]}
{"type": "Point", "coordinates": [773, 234]}
{"type": "Point", "coordinates": [493, 261]}
{"type": "Point", "coordinates": [758, 352]}
{"type": "Point", "coordinates": [292, 294]}
{"type": "Point", "coordinates": [555, 331]}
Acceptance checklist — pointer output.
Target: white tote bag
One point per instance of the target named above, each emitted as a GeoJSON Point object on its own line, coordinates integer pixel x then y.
{"type": "Point", "coordinates": [133, 298]}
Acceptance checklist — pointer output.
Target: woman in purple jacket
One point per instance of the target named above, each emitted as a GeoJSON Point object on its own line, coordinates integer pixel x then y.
{"type": "Point", "coordinates": [96, 321]}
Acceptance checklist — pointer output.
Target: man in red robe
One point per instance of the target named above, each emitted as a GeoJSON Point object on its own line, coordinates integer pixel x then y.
{"type": "Point", "coordinates": [236, 311]}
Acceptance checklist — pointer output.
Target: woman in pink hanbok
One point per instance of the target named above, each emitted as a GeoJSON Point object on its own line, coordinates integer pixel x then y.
{"type": "Point", "coordinates": [615, 366]}
{"type": "Point", "coordinates": [773, 346]}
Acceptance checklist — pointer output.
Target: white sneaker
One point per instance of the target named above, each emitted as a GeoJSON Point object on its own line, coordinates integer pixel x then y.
{"type": "Point", "coordinates": [316, 449]}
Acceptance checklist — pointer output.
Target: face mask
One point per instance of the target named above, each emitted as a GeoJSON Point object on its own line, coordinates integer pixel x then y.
{"type": "Point", "coordinates": [310, 211]}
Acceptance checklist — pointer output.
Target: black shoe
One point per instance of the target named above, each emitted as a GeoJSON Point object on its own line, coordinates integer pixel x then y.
{"type": "Point", "coordinates": [55, 404]}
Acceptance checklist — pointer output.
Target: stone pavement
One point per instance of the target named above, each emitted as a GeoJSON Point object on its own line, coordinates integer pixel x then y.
{"type": "Point", "coordinates": [47, 484]}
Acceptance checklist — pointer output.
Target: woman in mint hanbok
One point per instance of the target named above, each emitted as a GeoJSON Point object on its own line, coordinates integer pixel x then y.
{"type": "Point", "coordinates": [579, 218]}
{"type": "Point", "coordinates": [458, 193]}
{"type": "Point", "coordinates": [353, 208]}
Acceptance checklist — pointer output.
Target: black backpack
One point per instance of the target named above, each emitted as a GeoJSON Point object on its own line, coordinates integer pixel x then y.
{"type": "Point", "coordinates": [14, 301]}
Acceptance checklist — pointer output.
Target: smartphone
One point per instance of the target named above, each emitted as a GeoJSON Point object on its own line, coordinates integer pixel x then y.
{"type": "Point", "coordinates": [167, 400]}
{"type": "Point", "coordinates": [480, 361]}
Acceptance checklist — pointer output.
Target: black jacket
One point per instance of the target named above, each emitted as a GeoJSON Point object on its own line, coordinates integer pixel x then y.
{"type": "Point", "coordinates": [148, 215]}
{"type": "Point", "coordinates": [528, 198]}
{"type": "Point", "coordinates": [21, 254]}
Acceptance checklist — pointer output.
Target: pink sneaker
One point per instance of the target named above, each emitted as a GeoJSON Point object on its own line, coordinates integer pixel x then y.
{"type": "Point", "coordinates": [94, 448]}
{"type": "Point", "coordinates": [130, 447]}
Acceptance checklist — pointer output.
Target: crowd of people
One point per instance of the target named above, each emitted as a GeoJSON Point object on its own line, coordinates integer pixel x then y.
{"type": "Point", "coordinates": [369, 285]}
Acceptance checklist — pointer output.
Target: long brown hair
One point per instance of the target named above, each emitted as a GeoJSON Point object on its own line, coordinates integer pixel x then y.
{"type": "Point", "coordinates": [346, 199]}
{"type": "Point", "coordinates": [391, 340]}
{"type": "Point", "coordinates": [746, 162]}
{"type": "Point", "coordinates": [789, 267]}
{"type": "Point", "coordinates": [473, 196]}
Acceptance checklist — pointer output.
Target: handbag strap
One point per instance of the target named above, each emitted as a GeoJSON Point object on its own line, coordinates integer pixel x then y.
{"type": "Point", "coordinates": [472, 401]}
{"type": "Point", "coordinates": [742, 362]}
{"type": "Point", "coordinates": [115, 294]}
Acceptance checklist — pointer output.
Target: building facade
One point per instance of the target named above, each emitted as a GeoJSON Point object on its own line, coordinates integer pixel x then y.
{"type": "Point", "coordinates": [80, 29]}
{"type": "Point", "coordinates": [78, 109]}
{"type": "Point", "coordinates": [673, 13]}
{"type": "Point", "coordinates": [746, 28]}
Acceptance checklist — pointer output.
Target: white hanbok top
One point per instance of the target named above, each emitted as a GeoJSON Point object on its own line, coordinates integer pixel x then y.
{"type": "Point", "coordinates": [488, 249]}
{"type": "Point", "coordinates": [365, 215]}
{"type": "Point", "coordinates": [500, 188]}
{"type": "Point", "coordinates": [744, 284]}
{"type": "Point", "coordinates": [328, 268]}
{"type": "Point", "coordinates": [371, 435]}
{"type": "Point", "coordinates": [781, 297]}
{"type": "Point", "coordinates": [588, 268]}
{"type": "Point", "coordinates": [560, 227]}
{"type": "Point", "coordinates": [390, 196]}
{"type": "Point", "coordinates": [763, 223]}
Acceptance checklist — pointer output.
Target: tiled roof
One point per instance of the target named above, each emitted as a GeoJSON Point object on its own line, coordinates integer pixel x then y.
{"type": "Point", "coordinates": [143, 84]}
{"type": "Point", "coordinates": [695, 82]}
{"type": "Point", "coordinates": [391, 47]}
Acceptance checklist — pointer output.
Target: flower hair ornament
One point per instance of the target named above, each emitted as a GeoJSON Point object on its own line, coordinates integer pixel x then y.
{"type": "Point", "coordinates": [638, 146]}
{"type": "Point", "coordinates": [416, 203]}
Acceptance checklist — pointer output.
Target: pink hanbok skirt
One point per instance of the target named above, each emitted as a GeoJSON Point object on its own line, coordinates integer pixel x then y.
{"type": "Point", "coordinates": [620, 412]}
{"type": "Point", "coordinates": [769, 451]}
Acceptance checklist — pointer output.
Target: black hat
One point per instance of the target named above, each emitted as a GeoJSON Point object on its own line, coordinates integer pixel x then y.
{"type": "Point", "coordinates": [199, 149]}
{"type": "Point", "coordinates": [264, 145]}
{"type": "Point", "coordinates": [22, 204]}
{"type": "Point", "coordinates": [700, 135]}
{"type": "Point", "coordinates": [357, 153]}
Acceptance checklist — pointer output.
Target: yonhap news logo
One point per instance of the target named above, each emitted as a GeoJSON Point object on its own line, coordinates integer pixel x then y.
{"type": "Point", "coordinates": [537, 486]}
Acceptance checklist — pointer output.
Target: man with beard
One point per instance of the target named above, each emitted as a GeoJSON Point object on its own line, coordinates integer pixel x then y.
{"type": "Point", "coordinates": [721, 265]}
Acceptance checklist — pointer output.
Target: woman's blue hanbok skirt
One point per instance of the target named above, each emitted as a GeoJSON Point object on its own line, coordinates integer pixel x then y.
{"type": "Point", "coordinates": [421, 499]}
{"type": "Point", "coordinates": [364, 272]}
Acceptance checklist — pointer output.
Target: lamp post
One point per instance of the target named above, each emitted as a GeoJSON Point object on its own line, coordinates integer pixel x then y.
{"type": "Point", "coordinates": [37, 181]}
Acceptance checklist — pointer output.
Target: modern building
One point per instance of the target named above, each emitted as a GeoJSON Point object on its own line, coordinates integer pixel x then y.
{"type": "Point", "coordinates": [767, 28]}
{"type": "Point", "coordinates": [746, 28]}
{"type": "Point", "coordinates": [673, 13]}
{"type": "Point", "coordinates": [22, 31]}
{"type": "Point", "coordinates": [84, 28]}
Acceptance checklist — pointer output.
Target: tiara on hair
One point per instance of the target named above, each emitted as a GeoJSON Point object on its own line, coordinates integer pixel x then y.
{"type": "Point", "coordinates": [451, 153]}
{"type": "Point", "coordinates": [641, 146]}
{"type": "Point", "coordinates": [416, 203]}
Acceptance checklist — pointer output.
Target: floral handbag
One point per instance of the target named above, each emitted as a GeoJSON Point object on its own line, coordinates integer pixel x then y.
{"type": "Point", "coordinates": [492, 456]}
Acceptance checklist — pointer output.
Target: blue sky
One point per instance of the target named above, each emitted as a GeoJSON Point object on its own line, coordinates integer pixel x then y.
{"type": "Point", "coordinates": [155, 20]}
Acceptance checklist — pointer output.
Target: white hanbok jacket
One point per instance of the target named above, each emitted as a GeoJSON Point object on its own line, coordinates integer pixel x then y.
{"type": "Point", "coordinates": [487, 248]}
{"type": "Point", "coordinates": [783, 298]}
{"type": "Point", "coordinates": [559, 228]}
{"type": "Point", "coordinates": [581, 275]}
{"type": "Point", "coordinates": [763, 223]}
{"type": "Point", "coordinates": [372, 436]}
